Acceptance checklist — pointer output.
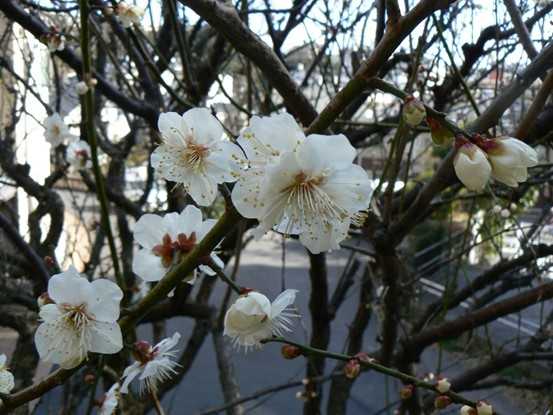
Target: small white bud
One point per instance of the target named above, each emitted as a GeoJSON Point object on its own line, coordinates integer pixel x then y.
{"type": "Point", "coordinates": [505, 213]}
{"type": "Point", "coordinates": [497, 209]}
{"type": "Point", "coordinates": [443, 385]}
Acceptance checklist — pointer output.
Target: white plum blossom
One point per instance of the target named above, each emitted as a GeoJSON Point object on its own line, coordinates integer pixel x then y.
{"type": "Point", "coordinates": [153, 365]}
{"type": "Point", "coordinates": [253, 318]}
{"type": "Point", "coordinates": [510, 159]}
{"type": "Point", "coordinates": [78, 155]}
{"type": "Point", "coordinates": [56, 131]}
{"type": "Point", "coordinates": [82, 318]}
{"type": "Point", "coordinates": [164, 239]}
{"type": "Point", "coordinates": [129, 14]}
{"type": "Point", "coordinates": [194, 154]}
{"type": "Point", "coordinates": [313, 192]}
{"type": "Point", "coordinates": [471, 165]}
{"type": "Point", "coordinates": [264, 141]}
{"type": "Point", "coordinates": [6, 377]}
{"type": "Point", "coordinates": [110, 401]}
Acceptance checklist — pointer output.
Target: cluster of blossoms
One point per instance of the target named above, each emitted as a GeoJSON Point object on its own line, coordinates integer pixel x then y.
{"type": "Point", "coordinates": [297, 185]}
{"type": "Point", "coordinates": [57, 133]}
{"type": "Point", "coordinates": [505, 159]}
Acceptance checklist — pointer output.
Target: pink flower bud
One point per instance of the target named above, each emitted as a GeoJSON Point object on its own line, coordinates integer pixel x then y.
{"type": "Point", "coordinates": [406, 392]}
{"type": "Point", "coordinates": [352, 369]}
{"type": "Point", "coordinates": [290, 352]}
{"type": "Point", "coordinates": [414, 111]}
{"type": "Point", "coordinates": [441, 136]}
{"type": "Point", "coordinates": [442, 402]}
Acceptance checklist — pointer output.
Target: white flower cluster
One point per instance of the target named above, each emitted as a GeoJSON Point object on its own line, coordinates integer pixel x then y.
{"type": "Point", "coordinates": [57, 133]}
{"type": "Point", "coordinates": [297, 185]}
{"type": "Point", "coordinates": [505, 159]}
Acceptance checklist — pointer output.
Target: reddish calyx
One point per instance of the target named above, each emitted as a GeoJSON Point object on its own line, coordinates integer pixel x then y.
{"type": "Point", "coordinates": [168, 250]}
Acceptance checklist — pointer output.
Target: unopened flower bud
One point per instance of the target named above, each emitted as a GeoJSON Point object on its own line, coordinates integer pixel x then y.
{"type": "Point", "coordinates": [49, 261]}
{"type": "Point", "coordinates": [471, 165]}
{"type": "Point", "coordinates": [442, 402]}
{"type": "Point", "coordinates": [406, 392]}
{"type": "Point", "coordinates": [245, 290]}
{"type": "Point", "coordinates": [441, 136]}
{"type": "Point", "coordinates": [510, 159]}
{"type": "Point", "coordinates": [89, 378]}
{"type": "Point", "coordinates": [290, 352]}
{"type": "Point", "coordinates": [505, 213]}
{"type": "Point", "coordinates": [467, 410]}
{"type": "Point", "coordinates": [443, 385]}
{"type": "Point", "coordinates": [364, 357]}
{"type": "Point", "coordinates": [300, 395]}
{"type": "Point", "coordinates": [352, 369]}
{"type": "Point", "coordinates": [413, 111]}
{"type": "Point", "coordinates": [497, 209]}
{"type": "Point", "coordinates": [483, 408]}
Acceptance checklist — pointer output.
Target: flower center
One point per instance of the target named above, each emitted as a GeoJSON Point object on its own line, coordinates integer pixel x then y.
{"type": "Point", "coordinates": [56, 130]}
{"type": "Point", "coordinates": [81, 154]}
{"type": "Point", "coordinates": [307, 202]}
{"type": "Point", "coordinates": [194, 155]}
{"type": "Point", "coordinates": [76, 316]}
{"type": "Point", "coordinates": [168, 250]}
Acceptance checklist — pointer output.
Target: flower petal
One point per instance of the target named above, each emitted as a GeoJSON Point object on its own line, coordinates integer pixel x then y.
{"type": "Point", "coordinates": [130, 373]}
{"type": "Point", "coordinates": [104, 303]}
{"type": "Point", "coordinates": [269, 137]}
{"type": "Point", "coordinates": [149, 230]}
{"type": "Point", "coordinates": [69, 287]}
{"type": "Point", "coordinates": [202, 188]}
{"type": "Point", "coordinates": [190, 220]}
{"type": "Point", "coordinates": [285, 299]}
{"type": "Point", "coordinates": [205, 128]}
{"type": "Point", "coordinates": [173, 129]}
{"type": "Point", "coordinates": [246, 194]}
{"type": "Point", "coordinates": [350, 188]}
{"type": "Point", "coordinates": [323, 237]}
{"type": "Point", "coordinates": [148, 266]}
{"type": "Point", "coordinates": [105, 338]}
{"type": "Point", "coordinates": [318, 152]}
